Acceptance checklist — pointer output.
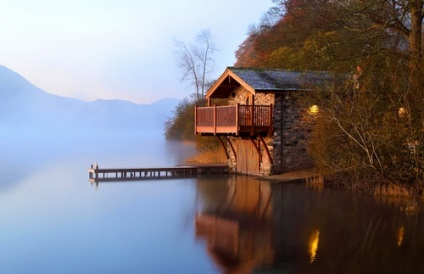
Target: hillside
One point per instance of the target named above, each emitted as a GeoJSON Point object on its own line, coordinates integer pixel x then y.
{"type": "Point", "coordinates": [24, 105]}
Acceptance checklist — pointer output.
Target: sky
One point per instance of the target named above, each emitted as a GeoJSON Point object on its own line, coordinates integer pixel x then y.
{"type": "Point", "coordinates": [109, 49]}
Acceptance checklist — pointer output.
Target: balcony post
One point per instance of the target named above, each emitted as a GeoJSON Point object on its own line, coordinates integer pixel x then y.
{"type": "Point", "coordinates": [252, 128]}
{"type": "Point", "coordinates": [271, 123]}
{"type": "Point", "coordinates": [195, 120]}
{"type": "Point", "coordinates": [237, 118]}
{"type": "Point", "coordinates": [214, 119]}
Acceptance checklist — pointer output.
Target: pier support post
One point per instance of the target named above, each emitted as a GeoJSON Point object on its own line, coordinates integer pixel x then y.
{"type": "Point", "coordinates": [96, 171]}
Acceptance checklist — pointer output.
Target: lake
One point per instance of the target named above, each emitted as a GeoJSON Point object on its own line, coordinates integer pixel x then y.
{"type": "Point", "coordinates": [53, 220]}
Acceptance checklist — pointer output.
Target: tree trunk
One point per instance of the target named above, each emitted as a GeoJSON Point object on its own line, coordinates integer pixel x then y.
{"type": "Point", "coordinates": [415, 42]}
{"type": "Point", "coordinates": [415, 36]}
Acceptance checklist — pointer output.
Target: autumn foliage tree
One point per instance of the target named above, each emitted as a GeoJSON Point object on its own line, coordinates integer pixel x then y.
{"type": "Point", "coordinates": [371, 126]}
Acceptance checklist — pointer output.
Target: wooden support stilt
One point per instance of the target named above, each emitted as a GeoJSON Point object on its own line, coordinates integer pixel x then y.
{"type": "Point", "coordinates": [231, 146]}
{"type": "Point", "coordinates": [266, 149]}
{"type": "Point", "coordinates": [224, 146]}
{"type": "Point", "coordinates": [257, 148]}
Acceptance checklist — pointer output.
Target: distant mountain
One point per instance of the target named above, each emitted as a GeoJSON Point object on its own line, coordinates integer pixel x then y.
{"type": "Point", "coordinates": [26, 106]}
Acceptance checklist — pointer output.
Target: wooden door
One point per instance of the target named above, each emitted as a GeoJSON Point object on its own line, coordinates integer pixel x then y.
{"type": "Point", "coordinates": [247, 158]}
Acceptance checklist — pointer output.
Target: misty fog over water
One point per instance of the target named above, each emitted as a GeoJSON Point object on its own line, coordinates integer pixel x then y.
{"type": "Point", "coordinates": [24, 149]}
{"type": "Point", "coordinates": [53, 220]}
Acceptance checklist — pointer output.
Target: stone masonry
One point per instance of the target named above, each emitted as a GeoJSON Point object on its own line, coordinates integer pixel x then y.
{"type": "Point", "coordinates": [292, 129]}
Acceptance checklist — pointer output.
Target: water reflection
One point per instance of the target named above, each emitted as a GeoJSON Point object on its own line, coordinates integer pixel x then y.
{"type": "Point", "coordinates": [400, 235]}
{"type": "Point", "coordinates": [248, 226]}
{"type": "Point", "coordinates": [313, 245]}
{"type": "Point", "coordinates": [238, 230]}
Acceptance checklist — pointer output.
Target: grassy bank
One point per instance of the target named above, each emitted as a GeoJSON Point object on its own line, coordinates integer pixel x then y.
{"type": "Point", "coordinates": [216, 156]}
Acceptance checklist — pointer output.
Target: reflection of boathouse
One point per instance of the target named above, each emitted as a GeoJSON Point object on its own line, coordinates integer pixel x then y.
{"type": "Point", "coordinates": [263, 124]}
{"type": "Point", "coordinates": [239, 233]}
{"type": "Point", "coordinates": [251, 226]}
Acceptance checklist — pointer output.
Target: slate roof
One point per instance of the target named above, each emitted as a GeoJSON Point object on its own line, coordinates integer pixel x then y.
{"type": "Point", "coordinates": [267, 80]}
{"type": "Point", "coordinates": [280, 80]}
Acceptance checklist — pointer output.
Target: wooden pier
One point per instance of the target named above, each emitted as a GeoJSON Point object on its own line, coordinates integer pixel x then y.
{"type": "Point", "coordinates": [97, 174]}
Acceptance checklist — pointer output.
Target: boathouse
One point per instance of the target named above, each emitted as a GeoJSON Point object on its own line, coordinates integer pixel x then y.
{"type": "Point", "coordinates": [256, 114]}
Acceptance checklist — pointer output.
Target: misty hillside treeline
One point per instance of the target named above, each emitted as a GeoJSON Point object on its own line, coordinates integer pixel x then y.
{"type": "Point", "coordinates": [25, 106]}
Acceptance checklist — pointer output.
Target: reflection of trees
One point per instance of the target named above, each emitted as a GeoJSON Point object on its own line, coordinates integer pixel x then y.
{"type": "Point", "coordinates": [239, 233]}
{"type": "Point", "coordinates": [340, 232]}
{"type": "Point", "coordinates": [307, 230]}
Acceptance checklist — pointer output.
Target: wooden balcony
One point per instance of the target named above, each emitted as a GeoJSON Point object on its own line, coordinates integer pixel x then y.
{"type": "Point", "coordinates": [237, 120]}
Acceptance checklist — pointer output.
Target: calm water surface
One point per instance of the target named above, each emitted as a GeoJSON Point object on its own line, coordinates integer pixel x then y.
{"type": "Point", "coordinates": [52, 220]}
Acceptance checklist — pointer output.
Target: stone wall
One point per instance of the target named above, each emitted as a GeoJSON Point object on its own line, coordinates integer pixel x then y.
{"type": "Point", "coordinates": [292, 129]}
{"type": "Point", "coordinates": [239, 98]}
{"type": "Point", "coordinates": [242, 94]}
{"type": "Point", "coordinates": [264, 99]}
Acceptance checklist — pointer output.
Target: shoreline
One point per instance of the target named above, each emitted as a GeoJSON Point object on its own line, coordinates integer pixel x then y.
{"type": "Point", "coordinates": [310, 177]}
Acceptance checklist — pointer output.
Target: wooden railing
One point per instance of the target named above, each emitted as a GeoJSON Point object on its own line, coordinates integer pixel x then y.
{"type": "Point", "coordinates": [259, 116]}
{"type": "Point", "coordinates": [235, 119]}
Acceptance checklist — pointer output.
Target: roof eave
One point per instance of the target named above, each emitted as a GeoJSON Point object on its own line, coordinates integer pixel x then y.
{"type": "Point", "coordinates": [221, 79]}
{"type": "Point", "coordinates": [282, 89]}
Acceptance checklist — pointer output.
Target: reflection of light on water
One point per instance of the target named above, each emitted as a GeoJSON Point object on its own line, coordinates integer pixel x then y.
{"type": "Point", "coordinates": [401, 232]}
{"type": "Point", "coordinates": [313, 245]}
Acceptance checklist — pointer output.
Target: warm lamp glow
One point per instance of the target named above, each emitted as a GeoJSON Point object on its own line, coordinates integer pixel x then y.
{"type": "Point", "coordinates": [402, 112]}
{"type": "Point", "coordinates": [314, 109]}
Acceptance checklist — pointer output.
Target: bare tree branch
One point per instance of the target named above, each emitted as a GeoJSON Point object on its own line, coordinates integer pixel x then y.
{"type": "Point", "coordinates": [195, 61]}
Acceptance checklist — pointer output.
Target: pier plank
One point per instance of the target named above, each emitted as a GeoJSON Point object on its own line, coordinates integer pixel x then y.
{"type": "Point", "coordinates": [121, 174]}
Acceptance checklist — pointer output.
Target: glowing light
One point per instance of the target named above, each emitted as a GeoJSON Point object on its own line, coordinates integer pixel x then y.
{"type": "Point", "coordinates": [400, 235]}
{"type": "Point", "coordinates": [313, 245]}
{"type": "Point", "coordinates": [402, 113]}
{"type": "Point", "coordinates": [313, 109]}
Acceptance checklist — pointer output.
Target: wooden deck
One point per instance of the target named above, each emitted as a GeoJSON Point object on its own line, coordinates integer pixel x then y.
{"type": "Point", "coordinates": [97, 174]}
{"type": "Point", "coordinates": [238, 120]}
